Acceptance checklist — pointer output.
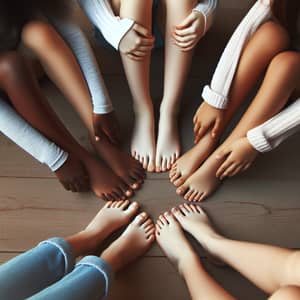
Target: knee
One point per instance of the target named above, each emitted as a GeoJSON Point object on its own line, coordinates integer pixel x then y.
{"type": "Point", "coordinates": [287, 62]}
{"type": "Point", "coordinates": [38, 34]}
{"type": "Point", "coordinates": [287, 293]}
{"type": "Point", "coordinates": [274, 36]}
{"type": "Point", "coordinates": [10, 63]}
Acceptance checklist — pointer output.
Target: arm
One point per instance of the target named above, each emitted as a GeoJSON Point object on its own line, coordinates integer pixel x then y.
{"type": "Point", "coordinates": [216, 94]}
{"type": "Point", "coordinates": [272, 133]}
{"type": "Point", "coordinates": [102, 16]}
{"type": "Point", "coordinates": [29, 139]}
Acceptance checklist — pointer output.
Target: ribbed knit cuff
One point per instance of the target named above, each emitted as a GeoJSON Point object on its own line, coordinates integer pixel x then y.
{"type": "Point", "coordinates": [102, 266]}
{"type": "Point", "coordinates": [258, 140]}
{"type": "Point", "coordinates": [59, 162]}
{"type": "Point", "coordinates": [103, 109]}
{"type": "Point", "coordinates": [213, 98]}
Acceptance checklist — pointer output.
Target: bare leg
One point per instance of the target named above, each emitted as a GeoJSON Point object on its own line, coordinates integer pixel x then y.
{"type": "Point", "coordinates": [270, 268]}
{"type": "Point", "coordinates": [20, 84]}
{"type": "Point", "coordinates": [171, 239]}
{"type": "Point", "coordinates": [248, 73]}
{"type": "Point", "coordinates": [287, 293]}
{"type": "Point", "coordinates": [62, 67]}
{"type": "Point", "coordinates": [138, 72]}
{"type": "Point", "coordinates": [168, 143]}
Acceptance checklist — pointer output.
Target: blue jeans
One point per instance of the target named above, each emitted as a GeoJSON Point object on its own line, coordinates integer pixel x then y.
{"type": "Point", "coordinates": [48, 272]}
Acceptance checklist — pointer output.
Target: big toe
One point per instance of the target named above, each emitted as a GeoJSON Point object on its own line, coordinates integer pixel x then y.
{"type": "Point", "coordinates": [151, 166]}
{"type": "Point", "coordinates": [179, 181]}
{"type": "Point", "coordinates": [182, 190]}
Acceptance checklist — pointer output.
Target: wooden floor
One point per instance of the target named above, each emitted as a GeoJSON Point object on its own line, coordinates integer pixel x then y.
{"type": "Point", "coordinates": [260, 206]}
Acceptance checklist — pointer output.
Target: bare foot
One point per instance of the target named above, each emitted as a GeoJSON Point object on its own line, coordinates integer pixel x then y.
{"type": "Point", "coordinates": [104, 183]}
{"type": "Point", "coordinates": [168, 143]}
{"type": "Point", "coordinates": [143, 140]}
{"type": "Point", "coordinates": [106, 126]}
{"type": "Point", "coordinates": [126, 167]}
{"type": "Point", "coordinates": [194, 220]}
{"type": "Point", "coordinates": [172, 241]}
{"type": "Point", "coordinates": [73, 175]}
{"type": "Point", "coordinates": [134, 242]}
{"type": "Point", "coordinates": [203, 182]}
{"type": "Point", "coordinates": [111, 217]}
{"type": "Point", "coordinates": [186, 165]}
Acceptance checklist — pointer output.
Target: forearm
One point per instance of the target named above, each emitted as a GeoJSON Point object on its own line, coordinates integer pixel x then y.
{"type": "Point", "coordinates": [200, 284]}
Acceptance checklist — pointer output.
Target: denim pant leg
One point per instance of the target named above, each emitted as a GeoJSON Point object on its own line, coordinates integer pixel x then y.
{"type": "Point", "coordinates": [89, 280]}
{"type": "Point", "coordinates": [31, 272]}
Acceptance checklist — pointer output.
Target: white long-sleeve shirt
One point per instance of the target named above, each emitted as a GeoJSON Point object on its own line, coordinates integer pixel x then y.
{"type": "Point", "coordinates": [115, 28]}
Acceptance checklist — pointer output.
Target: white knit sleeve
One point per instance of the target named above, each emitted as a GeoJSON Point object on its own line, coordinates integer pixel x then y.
{"type": "Point", "coordinates": [208, 9]}
{"type": "Point", "coordinates": [217, 93]}
{"type": "Point", "coordinates": [78, 42]}
{"type": "Point", "coordinates": [272, 133]}
{"type": "Point", "coordinates": [29, 139]}
{"type": "Point", "coordinates": [102, 16]}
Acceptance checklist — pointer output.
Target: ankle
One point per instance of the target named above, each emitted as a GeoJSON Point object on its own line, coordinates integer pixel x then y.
{"type": "Point", "coordinates": [187, 260]}
{"type": "Point", "coordinates": [167, 109]}
{"type": "Point", "coordinates": [81, 243]}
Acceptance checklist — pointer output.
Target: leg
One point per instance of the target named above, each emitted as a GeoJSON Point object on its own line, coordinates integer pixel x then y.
{"type": "Point", "coordinates": [168, 144]}
{"type": "Point", "coordinates": [171, 239]}
{"type": "Point", "coordinates": [138, 72]}
{"type": "Point", "coordinates": [248, 73]}
{"type": "Point", "coordinates": [18, 81]}
{"type": "Point", "coordinates": [271, 98]}
{"type": "Point", "coordinates": [91, 277]}
{"type": "Point", "coordinates": [286, 293]}
{"type": "Point", "coordinates": [270, 268]}
{"type": "Point", "coordinates": [55, 258]}
{"type": "Point", "coordinates": [62, 67]}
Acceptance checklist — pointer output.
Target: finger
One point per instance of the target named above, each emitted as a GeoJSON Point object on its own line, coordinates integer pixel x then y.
{"type": "Point", "coordinates": [133, 57]}
{"type": "Point", "coordinates": [246, 167]}
{"type": "Point", "coordinates": [189, 48]}
{"type": "Point", "coordinates": [197, 127]}
{"type": "Point", "coordinates": [139, 53]}
{"type": "Point", "coordinates": [188, 21]}
{"type": "Point", "coordinates": [185, 46]}
{"type": "Point", "coordinates": [184, 39]}
{"type": "Point", "coordinates": [216, 129]}
{"type": "Point", "coordinates": [146, 42]}
{"type": "Point", "coordinates": [230, 170]}
{"type": "Point", "coordinates": [184, 32]}
{"type": "Point", "coordinates": [223, 153]}
{"type": "Point", "coordinates": [141, 30]}
{"type": "Point", "coordinates": [238, 170]}
{"type": "Point", "coordinates": [201, 133]}
{"type": "Point", "coordinates": [146, 48]}
{"type": "Point", "coordinates": [223, 168]}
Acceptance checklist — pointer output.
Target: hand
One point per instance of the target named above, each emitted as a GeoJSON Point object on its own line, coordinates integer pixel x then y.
{"type": "Point", "coordinates": [208, 117]}
{"type": "Point", "coordinates": [188, 33]}
{"type": "Point", "coordinates": [239, 157]}
{"type": "Point", "coordinates": [106, 126]}
{"type": "Point", "coordinates": [137, 43]}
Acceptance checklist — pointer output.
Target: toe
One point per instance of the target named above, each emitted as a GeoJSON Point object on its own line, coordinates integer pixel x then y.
{"type": "Point", "coordinates": [175, 178]}
{"type": "Point", "coordinates": [177, 213]}
{"type": "Point", "coordinates": [193, 195]}
{"type": "Point", "coordinates": [187, 207]}
{"type": "Point", "coordinates": [151, 166]}
{"type": "Point", "coordinates": [140, 219]}
{"type": "Point", "coordinates": [133, 207]}
{"type": "Point", "coordinates": [169, 164]}
{"type": "Point", "coordinates": [184, 211]}
{"type": "Point", "coordinates": [163, 220]}
{"type": "Point", "coordinates": [146, 163]}
{"type": "Point", "coordinates": [182, 189]}
{"type": "Point", "coordinates": [169, 217]}
{"type": "Point", "coordinates": [193, 207]}
{"type": "Point", "coordinates": [158, 164]}
{"type": "Point", "coordinates": [180, 181]}
{"type": "Point", "coordinates": [188, 195]}
{"type": "Point", "coordinates": [108, 204]}
{"type": "Point", "coordinates": [124, 204]}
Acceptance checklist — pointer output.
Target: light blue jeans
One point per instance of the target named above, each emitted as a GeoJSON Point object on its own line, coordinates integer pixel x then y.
{"type": "Point", "coordinates": [48, 272]}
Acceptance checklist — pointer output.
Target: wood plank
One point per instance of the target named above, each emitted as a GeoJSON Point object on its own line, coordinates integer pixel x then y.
{"type": "Point", "coordinates": [260, 211]}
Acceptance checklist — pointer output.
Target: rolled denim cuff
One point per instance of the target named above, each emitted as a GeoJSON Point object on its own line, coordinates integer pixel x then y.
{"type": "Point", "coordinates": [64, 247]}
{"type": "Point", "coordinates": [102, 266]}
